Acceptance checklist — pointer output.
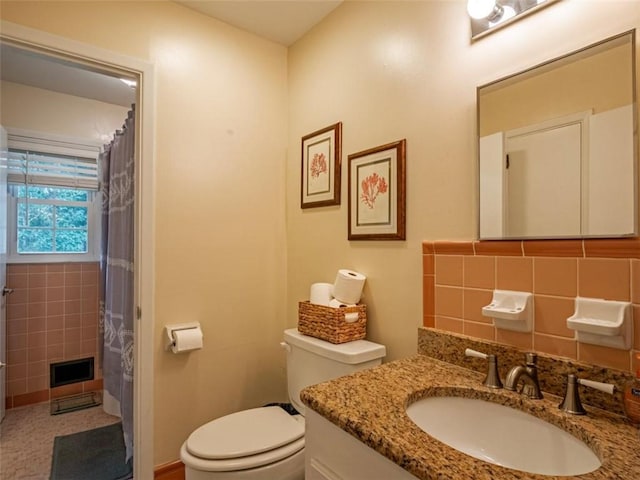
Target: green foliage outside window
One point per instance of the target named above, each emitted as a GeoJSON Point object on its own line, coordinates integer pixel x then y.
{"type": "Point", "coordinates": [52, 193]}
{"type": "Point", "coordinates": [52, 219]}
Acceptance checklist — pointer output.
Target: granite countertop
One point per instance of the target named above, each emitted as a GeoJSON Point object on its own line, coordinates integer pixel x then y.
{"type": "Point", "coordinates": [370, 405]}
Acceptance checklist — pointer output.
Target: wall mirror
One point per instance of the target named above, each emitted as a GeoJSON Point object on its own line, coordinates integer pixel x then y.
{"type": "Point", "coordinates": [557, 147]}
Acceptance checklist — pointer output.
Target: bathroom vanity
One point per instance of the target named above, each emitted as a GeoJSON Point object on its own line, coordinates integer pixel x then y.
{"type": "Point", "coordinates": [357, 426]}
{"type": "Point", "coordinates": [333, 454]}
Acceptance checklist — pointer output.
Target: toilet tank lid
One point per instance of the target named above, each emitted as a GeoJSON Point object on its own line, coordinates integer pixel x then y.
{"type": "Point", "coordinates": [358, 351]}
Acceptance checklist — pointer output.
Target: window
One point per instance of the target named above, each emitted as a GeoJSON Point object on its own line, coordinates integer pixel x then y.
{"type": "Point", "coordinates": [51, 220]}
{"type": "Point", "coordinates": [54, 207]}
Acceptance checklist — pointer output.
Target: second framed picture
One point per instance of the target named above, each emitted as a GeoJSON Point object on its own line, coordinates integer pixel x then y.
{"type": "Point", "coordinates": [377, 193]}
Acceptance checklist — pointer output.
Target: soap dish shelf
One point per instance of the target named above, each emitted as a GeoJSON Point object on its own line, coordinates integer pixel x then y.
{"type": "Point", "coordinates": [602, 322]}
{"type": "Point", "coordinates": [510, 310]}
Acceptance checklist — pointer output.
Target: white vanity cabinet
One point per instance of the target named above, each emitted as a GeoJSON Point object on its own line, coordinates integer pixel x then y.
{"type": "Point", "coordinates": [333, 454]}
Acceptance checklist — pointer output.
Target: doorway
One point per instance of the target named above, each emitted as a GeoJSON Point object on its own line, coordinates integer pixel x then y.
{"type": "Point", "coordinates": [90, 58]}
{"type": "Point", "coordinates": [539, 203]}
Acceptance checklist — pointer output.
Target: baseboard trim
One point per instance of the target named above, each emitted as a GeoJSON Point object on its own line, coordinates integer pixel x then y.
{"type": "Point", "coordinates": [169, 471]}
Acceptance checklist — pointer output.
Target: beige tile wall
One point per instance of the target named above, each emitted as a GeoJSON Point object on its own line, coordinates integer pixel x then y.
{"type": "Point", "coordinates": [459, 278]}
{"type": "Point", "coordinates": [52, 316]}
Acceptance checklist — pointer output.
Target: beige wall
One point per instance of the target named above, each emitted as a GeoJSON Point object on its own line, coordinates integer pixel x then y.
{"type": "Point", "coordinates": [219, 199]}
{"type": "Point", "coordinates": [392, 70]}
{"type": "Point", "coordinates": [30, 108]}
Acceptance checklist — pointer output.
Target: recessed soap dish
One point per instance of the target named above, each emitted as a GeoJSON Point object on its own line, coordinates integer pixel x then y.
{"type": "Point", "coordinates": [602, 322]}
{"type": "Point", "coordinates": [510, 310]}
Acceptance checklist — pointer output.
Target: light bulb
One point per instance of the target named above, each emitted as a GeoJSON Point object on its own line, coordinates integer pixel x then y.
{"type": "Point", "coordinates": [479, 9]}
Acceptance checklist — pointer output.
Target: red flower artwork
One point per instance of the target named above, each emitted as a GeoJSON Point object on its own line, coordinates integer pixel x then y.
{"type": "Point", "coordinates": [318, 165]}
{"type": "Point", "coordinates": [372, 186]}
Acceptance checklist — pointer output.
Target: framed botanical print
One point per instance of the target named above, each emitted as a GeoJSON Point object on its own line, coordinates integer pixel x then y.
{"type": "Point", "coordinates": [377, 202]}
{"type": "Point", "coordinates": [320, 180]}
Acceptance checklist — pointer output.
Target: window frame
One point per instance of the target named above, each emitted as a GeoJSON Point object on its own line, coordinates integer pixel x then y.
{"type": "Point", "coordinates": [93, 237]}
{"type": "Point", "coordinates": [54, 145]}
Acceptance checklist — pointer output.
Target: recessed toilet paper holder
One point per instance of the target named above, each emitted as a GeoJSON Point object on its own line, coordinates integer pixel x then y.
{"type": "Point", "coordinates": [170, 340]}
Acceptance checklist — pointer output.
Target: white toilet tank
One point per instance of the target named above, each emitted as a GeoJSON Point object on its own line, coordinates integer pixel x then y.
{"type": "Point", "coordinates": [311, 360]}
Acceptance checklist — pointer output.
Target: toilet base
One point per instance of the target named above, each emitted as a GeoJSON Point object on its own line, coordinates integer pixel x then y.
{"type": "Point", "coordinates": [290, 468]}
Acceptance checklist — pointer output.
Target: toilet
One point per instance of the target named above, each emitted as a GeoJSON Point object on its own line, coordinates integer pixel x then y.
{"type": "Point", "coordinates": [267, 443]}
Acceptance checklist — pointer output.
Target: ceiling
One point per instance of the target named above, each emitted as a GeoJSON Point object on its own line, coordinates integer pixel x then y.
{"type": "Point", "coordinates": [283, 22]}
{"type": "Point", "coordinates": [37, 70]}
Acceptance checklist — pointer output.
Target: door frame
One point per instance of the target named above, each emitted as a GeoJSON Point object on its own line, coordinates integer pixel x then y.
{"type": "Point", "coordinates": [109, 61]}
{"type": "Point", "coordinates": [4, 151]}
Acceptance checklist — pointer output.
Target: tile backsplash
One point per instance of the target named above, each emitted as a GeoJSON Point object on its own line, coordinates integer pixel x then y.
{"type": "Point", "coordinates": [459, 279]}
{"type": "Point", "coordinates": [52, 316]}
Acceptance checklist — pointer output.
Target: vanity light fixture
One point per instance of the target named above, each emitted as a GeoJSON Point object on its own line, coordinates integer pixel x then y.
{"type": "Point", "coordinates": [488, 15]}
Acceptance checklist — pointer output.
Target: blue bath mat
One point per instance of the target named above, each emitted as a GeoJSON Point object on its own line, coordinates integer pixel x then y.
{"type": "Point", "coordinates": [96, 454]}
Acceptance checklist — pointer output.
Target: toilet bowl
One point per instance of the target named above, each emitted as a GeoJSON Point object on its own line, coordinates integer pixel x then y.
{"type": "Point", "coordinates": [267, 443]}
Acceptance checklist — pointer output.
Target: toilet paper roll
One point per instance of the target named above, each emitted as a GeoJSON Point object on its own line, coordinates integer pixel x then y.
{"type": "Point", "coordinates": [348, 286]}
{"type": "Point", "coordinates": [335, 303]}
{"type": "Point", "coordinates": [321, 293]}
{"type": "Point", "coordinates": [349, 317]}
{"type": "Point", "coordinates": [186, 340]}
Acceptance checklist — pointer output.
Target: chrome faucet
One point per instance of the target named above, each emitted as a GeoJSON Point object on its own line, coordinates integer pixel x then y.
{"type": "Point", "coordinates": [528, 373]}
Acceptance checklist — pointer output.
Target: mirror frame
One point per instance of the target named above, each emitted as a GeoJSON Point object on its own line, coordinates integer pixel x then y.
{"type": "Point", "coordinates": [636, 159]}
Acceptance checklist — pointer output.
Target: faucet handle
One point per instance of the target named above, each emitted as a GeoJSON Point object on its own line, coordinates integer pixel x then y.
{"type": "Point", "coordinates": [474, 353]}
{"type": "Point", "coordinates": [531, 359]}
{"type": "Point", "coordinates": [571, 402]}
{"type": "Point", "coordinates": [603, 387]}
{"type": "Point", "coordinates": [492, 380]}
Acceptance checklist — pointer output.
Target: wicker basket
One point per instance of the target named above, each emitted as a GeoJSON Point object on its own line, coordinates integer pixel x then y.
{"type": "Point", "coordinates": [328, 323]}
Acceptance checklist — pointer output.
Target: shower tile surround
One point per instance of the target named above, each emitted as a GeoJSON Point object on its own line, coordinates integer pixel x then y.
{"type": "Point", "coordinates": [52, 316]}
{"type": "Point", "coordinates": [459, 278]}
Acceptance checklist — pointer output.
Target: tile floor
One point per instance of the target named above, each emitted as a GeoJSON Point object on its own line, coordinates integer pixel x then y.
{"type": "Point", "coordinates": [27, 433]}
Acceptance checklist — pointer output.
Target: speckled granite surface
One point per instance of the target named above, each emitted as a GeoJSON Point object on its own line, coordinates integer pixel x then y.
{"type": "Point", "coordinates": [370, 405]}
{"type": "Point", "coordinates": [552, 371]}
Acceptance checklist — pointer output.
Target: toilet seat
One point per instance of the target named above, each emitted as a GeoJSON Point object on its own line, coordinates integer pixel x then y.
{"type": "Point", "coordinates": [246, 439]}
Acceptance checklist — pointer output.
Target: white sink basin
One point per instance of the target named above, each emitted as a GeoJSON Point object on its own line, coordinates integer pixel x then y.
{"type": "Point", "coordinates": [503, 436]}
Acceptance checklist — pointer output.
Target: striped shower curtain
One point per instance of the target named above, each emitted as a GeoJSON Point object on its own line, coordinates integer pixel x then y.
{"type": "Point", "coordinates": [116, 275]}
